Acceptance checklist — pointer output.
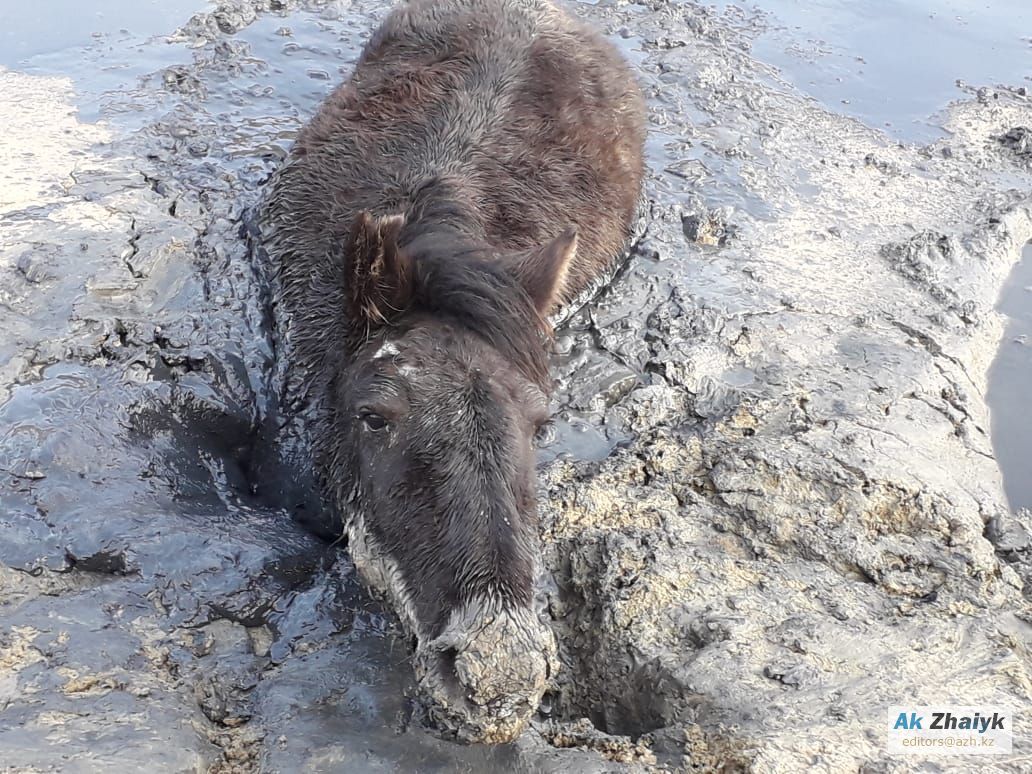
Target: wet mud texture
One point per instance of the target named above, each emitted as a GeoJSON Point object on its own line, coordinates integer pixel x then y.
{"type": "Point", "coordinates": [770, 503]}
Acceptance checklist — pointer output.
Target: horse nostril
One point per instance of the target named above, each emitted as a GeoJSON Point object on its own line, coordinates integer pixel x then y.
{"type": "Point", "coordinates": [446, 660]}
{"type": "Point", "coordinates": [485, 675]}
{"type": "Point", "coordinates": [446, 666]}
{"type": "Point", "coordinates": [448, 675]}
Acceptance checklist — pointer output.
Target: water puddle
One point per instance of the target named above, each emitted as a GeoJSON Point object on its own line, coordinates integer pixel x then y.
{"type": "Point", "coordinates": [895, 64]}
{"type": "Point", "coordinates": [1010, 386]}
{"type": "Point", "coordinates": [102, 47]}
{"type": "Point", "coordinates": [60, 30]}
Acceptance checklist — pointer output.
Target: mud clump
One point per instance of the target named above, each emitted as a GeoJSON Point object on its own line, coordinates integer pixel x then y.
{"type": "Point", "coordinates": [929, 259]}
{"type": "Point", "coordinates": [584, 735]}
{"type": "Point", "coordinates": [1019, 142]}
{"type": "Point", "coordinates": [710, 228]}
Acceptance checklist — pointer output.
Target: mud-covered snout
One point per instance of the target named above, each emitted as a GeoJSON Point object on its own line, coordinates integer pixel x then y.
{"type": "Point", "coordinates": [484, 675]}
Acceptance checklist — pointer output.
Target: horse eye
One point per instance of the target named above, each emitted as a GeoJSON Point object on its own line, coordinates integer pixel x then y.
{"type": "Point", "coordinates": [373, 421]}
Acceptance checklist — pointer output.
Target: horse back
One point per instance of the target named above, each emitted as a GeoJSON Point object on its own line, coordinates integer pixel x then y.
{"type": "Point", "coordinates": [527, 119]}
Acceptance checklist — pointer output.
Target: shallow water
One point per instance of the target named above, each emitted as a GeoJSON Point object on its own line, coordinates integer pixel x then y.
{"type": "Point", "coordinates": [1010, 386]}
{"type": "Point", "coordinates": [63, 29]}
{"type": "Point", "coordinates": [103, 47]}
{"type": "Point", "coordinates": [349, 700]}
{"type": "Point", "coordinates": [895, 64]}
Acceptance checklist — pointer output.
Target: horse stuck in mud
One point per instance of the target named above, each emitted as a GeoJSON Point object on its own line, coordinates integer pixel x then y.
{"type": "Point", "coordinates": [479, 170]}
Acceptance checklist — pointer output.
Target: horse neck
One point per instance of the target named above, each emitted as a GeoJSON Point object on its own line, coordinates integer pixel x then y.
{"type": "Point", "coordinates": [444, 210]}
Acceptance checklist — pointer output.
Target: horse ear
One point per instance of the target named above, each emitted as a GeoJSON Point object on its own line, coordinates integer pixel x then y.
{"type": "Point", "coordinates": [542, 272]}
{"type": "Point", "coordinates": [377, 276]}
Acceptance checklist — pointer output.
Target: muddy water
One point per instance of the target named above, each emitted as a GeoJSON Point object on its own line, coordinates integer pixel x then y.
{"type": "Point", "coordinates": [33, 33]}
{"type": "Point", "coordinates": [125, 448]}
{"type": "Point", "coordinates": [104, 48]}
{"type": "Point", "coordinates": [1010, 387]}
{"type": "Point", "coordinates": [896, 64]}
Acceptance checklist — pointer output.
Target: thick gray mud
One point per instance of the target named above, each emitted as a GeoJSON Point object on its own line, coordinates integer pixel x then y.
{"type": "Point", "coordinates": [771, 504]}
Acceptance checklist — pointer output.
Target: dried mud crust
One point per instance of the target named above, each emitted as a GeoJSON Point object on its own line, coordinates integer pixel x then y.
{"type": "Point", "coordinates": [619, 749]}
{"type": "Point", "coordinates": [781, 514]}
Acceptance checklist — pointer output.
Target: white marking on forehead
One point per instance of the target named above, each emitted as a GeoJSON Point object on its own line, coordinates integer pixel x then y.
{"type": "Point", "coordinates": [387, 349]}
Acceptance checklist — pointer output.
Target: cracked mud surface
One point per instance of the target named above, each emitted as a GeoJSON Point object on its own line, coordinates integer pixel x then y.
{"type": "Point", "coordinates": [770, 500]}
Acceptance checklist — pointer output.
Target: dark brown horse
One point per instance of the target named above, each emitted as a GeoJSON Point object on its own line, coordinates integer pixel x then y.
{"type": "Point", "coordinates": [481, 168]}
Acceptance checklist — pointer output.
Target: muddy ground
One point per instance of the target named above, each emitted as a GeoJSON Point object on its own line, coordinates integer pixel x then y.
{"type": "Point", "coordinates": [771, 504]}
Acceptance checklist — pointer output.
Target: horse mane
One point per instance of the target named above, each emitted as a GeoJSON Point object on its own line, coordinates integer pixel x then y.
{"type": "Point", "coordinates": [457, 280]}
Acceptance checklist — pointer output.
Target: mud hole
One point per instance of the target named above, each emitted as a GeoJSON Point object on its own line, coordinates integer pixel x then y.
{"type": "Point", "coordinates": [771, 505]}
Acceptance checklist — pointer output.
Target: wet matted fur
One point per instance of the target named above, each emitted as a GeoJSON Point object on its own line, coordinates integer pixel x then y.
{"type": "Point", "coordinates": [481, 167]}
